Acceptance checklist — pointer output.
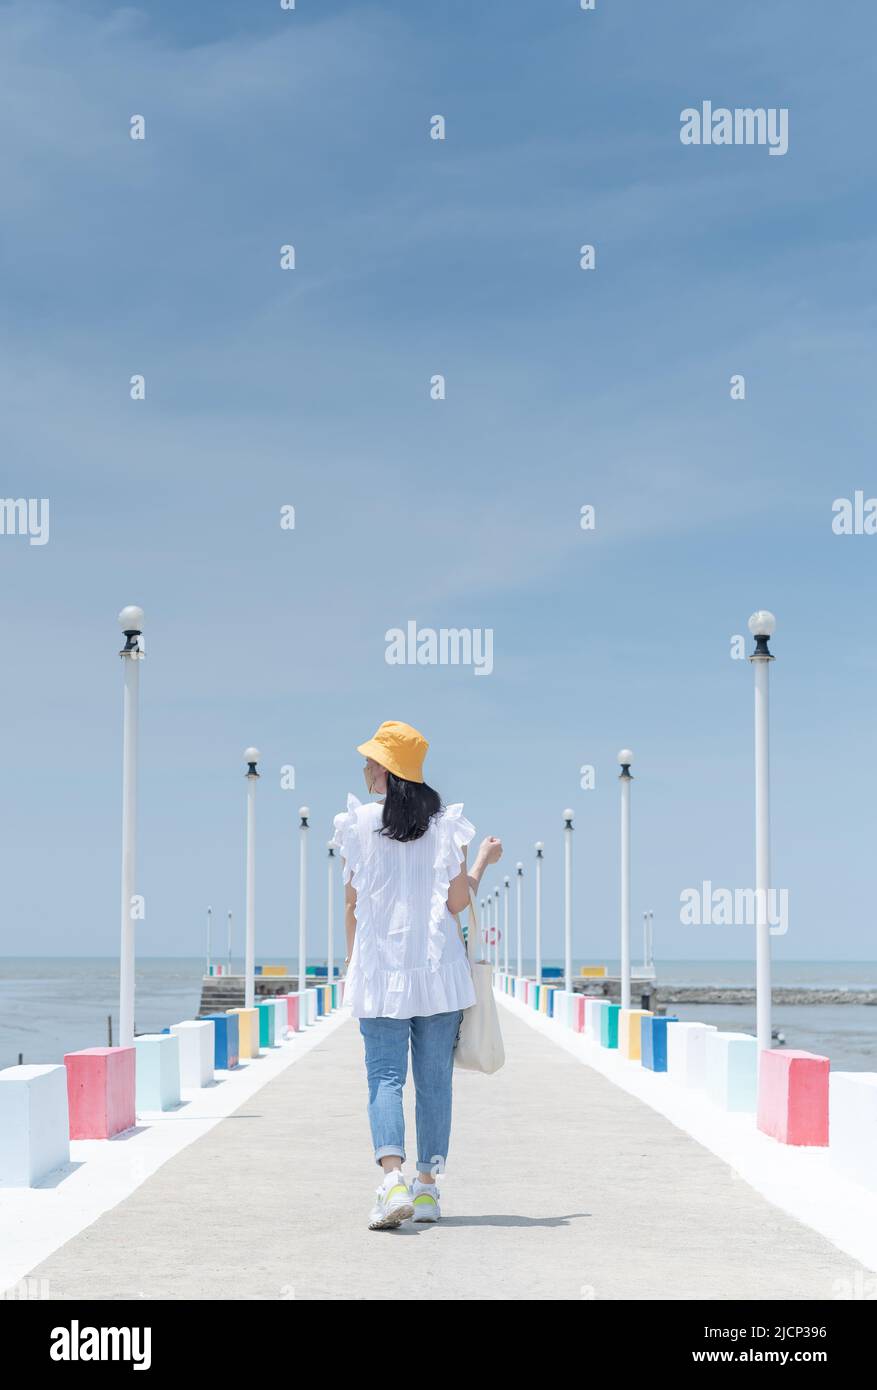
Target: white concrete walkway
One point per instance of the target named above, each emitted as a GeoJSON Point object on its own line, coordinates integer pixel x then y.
{"type": "Point", "coordinates": [561, 1185]}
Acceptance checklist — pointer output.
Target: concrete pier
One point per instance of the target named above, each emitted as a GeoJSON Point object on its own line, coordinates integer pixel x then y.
{"type": "Point", "coordinates": [560, 1185]}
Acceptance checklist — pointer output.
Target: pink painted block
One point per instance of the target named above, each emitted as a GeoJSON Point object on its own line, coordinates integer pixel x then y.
{"type": "Point", "coordinates": [101, 1086]}
{"type": "Point", "coordinates": [292, 1011]}
{"type": "Point", "coordinates": [578, 1013]}
{"type": "Point", "coordinates": [793, 1096]}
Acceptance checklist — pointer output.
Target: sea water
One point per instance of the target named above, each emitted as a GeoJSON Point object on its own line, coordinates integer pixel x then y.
{"type": "Point", "coordinates": [53, 1005]}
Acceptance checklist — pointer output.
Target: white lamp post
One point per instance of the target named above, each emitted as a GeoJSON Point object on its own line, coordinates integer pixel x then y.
{"type": "Point", "coordinates": [762, 626]}
{"type": "Point", "coordinates": [303, 812]}
{"type": "Point", "coordinates": [491, 935]}
{"type": "Point", "coordinates": [539, 848]}
{"type": "Point", "coordinates": [520, 917]}
{"type": "Point", "coordinates": [625, 758]}
{"type": "Point", "coordinates": [131, 623]}
{"type": "Point", "coordinates": [209, 937]}
{"type": "Point", "coordinates": [496, 924]}
{"type": "Point", "coordinates": [251, 757]}
{"type": "Point", "coordinates": [485, 931]}
{"type": "Point", "coordinates": [330, 914]}
{"type": "Point", "coordinates": [505, 922]}
{"type": "Point", "coordinates": [567, 900]}
{"type": "Point", "coordinates": [229, 941]}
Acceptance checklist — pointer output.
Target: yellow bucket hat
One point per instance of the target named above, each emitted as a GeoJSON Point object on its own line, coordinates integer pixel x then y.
{"type": "Point", "coordinates": [398, 748]}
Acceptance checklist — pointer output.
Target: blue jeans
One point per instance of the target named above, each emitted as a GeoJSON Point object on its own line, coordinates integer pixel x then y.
{"type": "Point", "coordinates": [433, 1040]}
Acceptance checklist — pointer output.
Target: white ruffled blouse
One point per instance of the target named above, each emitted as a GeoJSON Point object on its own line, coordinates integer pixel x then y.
{"type": "Point", "coordinates": [408, 960]}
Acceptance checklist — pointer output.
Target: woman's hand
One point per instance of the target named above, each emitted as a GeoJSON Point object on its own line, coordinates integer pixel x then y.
{"type": "Point", "coordinates": [489, 851]}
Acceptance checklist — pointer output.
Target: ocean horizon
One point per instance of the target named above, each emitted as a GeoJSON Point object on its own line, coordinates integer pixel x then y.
{"type": "Point", "coordinates": [50, 1005]}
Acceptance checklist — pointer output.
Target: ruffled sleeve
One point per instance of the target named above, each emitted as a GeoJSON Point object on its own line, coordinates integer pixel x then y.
{"type": "Point", "coordinates": [346, 837]}
{"type": "Point", "coordinates": [454, 833]}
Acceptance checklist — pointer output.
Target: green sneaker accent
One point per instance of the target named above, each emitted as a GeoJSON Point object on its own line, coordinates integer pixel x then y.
{"type": "Point", "coordinates": [424, 1197]}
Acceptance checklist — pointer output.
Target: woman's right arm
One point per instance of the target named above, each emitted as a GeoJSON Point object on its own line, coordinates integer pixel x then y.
{"type": "Point", "coordinates": [467, 880]}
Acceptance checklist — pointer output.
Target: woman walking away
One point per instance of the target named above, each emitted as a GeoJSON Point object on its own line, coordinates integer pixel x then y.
{"type": "Point", "coordinates": [408, 976]}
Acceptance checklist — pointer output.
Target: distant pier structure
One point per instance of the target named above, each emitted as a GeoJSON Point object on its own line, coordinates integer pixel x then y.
{"type": "Point", "coordinates": [226, 991]}
{"type": "Point", "coordinates": [643, 989]}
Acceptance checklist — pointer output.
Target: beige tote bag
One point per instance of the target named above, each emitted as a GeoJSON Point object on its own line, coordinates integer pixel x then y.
{"type": "Point", "coordinates": [479, 1047]}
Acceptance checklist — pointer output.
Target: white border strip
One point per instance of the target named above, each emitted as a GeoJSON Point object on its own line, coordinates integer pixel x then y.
{"type": "Point", "coordinates": [35, 1221]}
{"type": "Point", "coordinates": [799, 1180]}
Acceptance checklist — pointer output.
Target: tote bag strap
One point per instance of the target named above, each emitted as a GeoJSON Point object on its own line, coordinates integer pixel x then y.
{"type": "Point", "coordinates": [474, 933]}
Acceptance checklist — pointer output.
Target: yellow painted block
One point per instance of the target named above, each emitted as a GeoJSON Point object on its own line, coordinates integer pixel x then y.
{"type": "Point", "coordinates": [327, 998]}
{"type": "Point", "coordinates": [543, 1000]}
{"type": "Point", "coordinates": [594, 972]}
{"type": "Point", "coordinates": [248, 1031]}
{"type": "Point", "coordinates": [630, 1033]}
{"type": "Point", "coordinates": [274, 970]}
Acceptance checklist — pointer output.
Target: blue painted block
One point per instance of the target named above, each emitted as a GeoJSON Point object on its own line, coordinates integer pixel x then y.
{"type": "Point", "coordinates": [320, 1008]}
{"type": "Point", "coordinates": [226, 1034]}
{"type": "Point", "coordinates": [158, 1071]}
{"type": "Point", "coordinates": [653, 1036]}
{"type": "Point", "coordinates": [311, 1004]}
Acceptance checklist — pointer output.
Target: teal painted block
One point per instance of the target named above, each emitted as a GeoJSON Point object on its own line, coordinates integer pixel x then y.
{"type": "Point", "coordinates": [609, 1025]}
{"type": "Point", "coordinates": [266, 1022]}
{"type": "Point", "coordinates": [157, 1071]}
{"type": "Point", "coordinates": [278, 1019]}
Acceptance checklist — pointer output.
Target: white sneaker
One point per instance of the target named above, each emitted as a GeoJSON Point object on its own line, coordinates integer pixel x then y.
{"type": "Point", "coordinates": [426, 1201]}
{"type": "Point", "coordinates": [393, 1205]}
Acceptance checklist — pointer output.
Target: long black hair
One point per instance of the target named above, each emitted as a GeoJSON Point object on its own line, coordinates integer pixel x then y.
{"type": "Point", "coordinates": [408, 808]}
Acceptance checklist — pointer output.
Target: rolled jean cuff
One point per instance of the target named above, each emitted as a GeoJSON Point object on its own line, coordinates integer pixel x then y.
{"type": "Point", "coordinates": [386, 1151]}
{"type": "Point", "coordinates": [429, 1168]}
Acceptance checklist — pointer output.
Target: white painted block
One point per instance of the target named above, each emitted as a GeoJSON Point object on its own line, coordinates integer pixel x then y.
{"type": "Point", "coordinates": [196, 1051]}
{"type": "Point", "coordinates": [852, 1125]}
{"type": "Point", "coordinates": [279, 1020]}
{"type": "Point", "coordinates": [311, 1001]}
{"type": "Point", "coordinates": [686, 1052]}
{"type": "Point", "coordinates": [732, 1070]}
{"type": "Point", "coordinates": [592, 1017]}
{"type": "Point", "coordinates": [560, 1006]}
{"type": "Point", "coordinates": [34, 1123]}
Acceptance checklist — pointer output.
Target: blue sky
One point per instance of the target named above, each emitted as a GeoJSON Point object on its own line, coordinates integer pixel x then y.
{"type": "Point", "coordinates": [311, 388]}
